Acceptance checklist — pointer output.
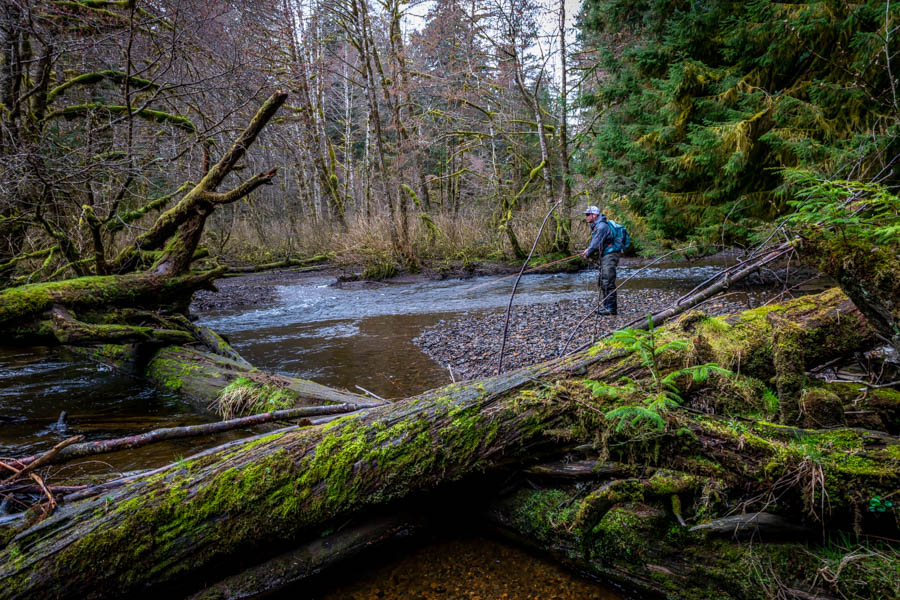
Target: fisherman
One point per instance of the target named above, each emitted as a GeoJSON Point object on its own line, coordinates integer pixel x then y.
{"type": "Point", "coordinates": [602, 245]}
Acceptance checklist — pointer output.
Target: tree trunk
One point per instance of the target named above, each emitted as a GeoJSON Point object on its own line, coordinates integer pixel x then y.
{"type": "Point", "coordinates": [869, 275]}
{"type": "Point", "coordinates": [202, 378]}
{"type": "Point", "coordinates": [195, 519]}
{"type": "Point", "coordinates": [225, 510]}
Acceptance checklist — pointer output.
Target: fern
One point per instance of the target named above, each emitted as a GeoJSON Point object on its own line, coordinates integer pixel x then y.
{"type": "Point", "coordinates": [850, 209]}
{"type": "Point", "coordinates": [658, 397]}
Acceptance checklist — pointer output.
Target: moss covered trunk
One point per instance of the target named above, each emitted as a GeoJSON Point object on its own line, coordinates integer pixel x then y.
{"type": "Point", "coordinates": [229, 387]}
{"type": "Point", "coordinates": [868, 274]}
{"type": "Point", "coordinates": [230, 509]}
{"type": "Point", "coordinates": [196, 518]}
{"type": "Point", "coordinates": [23, 308]}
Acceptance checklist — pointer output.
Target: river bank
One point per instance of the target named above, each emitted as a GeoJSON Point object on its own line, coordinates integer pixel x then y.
{"type": "Point", "coordinates": [469, 347]}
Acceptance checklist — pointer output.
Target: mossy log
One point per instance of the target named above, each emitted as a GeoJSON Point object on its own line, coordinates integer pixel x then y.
{"type": "Point", "coordinates": [229, 509]}
{"type": "Point", "coordinates": [195, 519]}
{"type": "Point", "coordinates": [641, 546]}
{"type": "Point", "coordinates": [24, 308]}
{"type": "Point", "coordinates": [869, 275]}
{"type": "Point", "coordinates": [230, 387]}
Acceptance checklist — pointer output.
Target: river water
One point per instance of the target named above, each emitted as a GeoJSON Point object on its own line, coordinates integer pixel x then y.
{"type": "Point", "coordinates": [354, 337]}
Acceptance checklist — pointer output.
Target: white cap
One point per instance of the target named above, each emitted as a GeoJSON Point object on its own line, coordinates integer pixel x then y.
{"type": "Point", "coordinates": [592, 210]}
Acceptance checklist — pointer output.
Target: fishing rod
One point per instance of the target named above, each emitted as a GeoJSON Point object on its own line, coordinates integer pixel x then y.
{"type": "Point", "coordinates": [492, 281]}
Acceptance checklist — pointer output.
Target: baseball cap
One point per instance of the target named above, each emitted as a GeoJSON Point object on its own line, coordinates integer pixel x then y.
{"type": "Point", "coordinates": [592, 210]}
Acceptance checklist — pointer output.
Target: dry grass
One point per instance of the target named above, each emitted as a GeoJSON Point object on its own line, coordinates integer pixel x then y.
{"type": "Point", "coordinates": [464, 238]}
{"type": "Point", "coordinates": [254, 394]}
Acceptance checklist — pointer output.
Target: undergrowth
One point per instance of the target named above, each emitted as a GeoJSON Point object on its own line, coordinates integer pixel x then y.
{"type": "Point", "coordinates": [643, 404]}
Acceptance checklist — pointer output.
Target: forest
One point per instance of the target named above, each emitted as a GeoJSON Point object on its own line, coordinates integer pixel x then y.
{"type": "Point", "coordinates": [180, 179]}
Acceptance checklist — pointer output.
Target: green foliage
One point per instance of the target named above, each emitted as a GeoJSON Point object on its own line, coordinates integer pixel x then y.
{"type": "Point", "coordinates": [879, 504]}
{"type": "Point", "coordinates": [379, 265]}
{"type": "Point", "coordinates": [703, 103]}
{"type": "Point", "coordinates": [849, 209]}
{"type": "Point", "coordinates": [663, 393]}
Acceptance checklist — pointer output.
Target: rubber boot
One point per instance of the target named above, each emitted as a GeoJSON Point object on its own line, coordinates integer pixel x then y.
{"type": "Point", "coordinates": [609, 303]}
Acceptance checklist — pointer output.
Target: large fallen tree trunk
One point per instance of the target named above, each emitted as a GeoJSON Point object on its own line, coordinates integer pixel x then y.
{"type": "Point", "coordinates": [184, 524]}
{"type": "Point", "coordinates": [867, 273]}
{"type": "Point", "coordinates": [211, 376]}
{"type": "Point", "coordinates": [194, 519]}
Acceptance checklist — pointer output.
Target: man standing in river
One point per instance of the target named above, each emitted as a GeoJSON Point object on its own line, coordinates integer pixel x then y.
{"type": "Point", "coordinates": [602, 245]}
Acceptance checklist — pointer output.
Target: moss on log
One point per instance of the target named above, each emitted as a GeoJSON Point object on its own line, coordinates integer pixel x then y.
{"type": "Point", "coordinates": [189, 522]}
{"type": "Point", "coordinates": [639, 545]}
{"type": "Point", "coordinates": [869, 274]}
{"type": "Point", "coordinates": [204, 514]}
{"type": "Point", "coordinates": [230, 387]}
{"type": "Point", "coordinates": [20, 306]}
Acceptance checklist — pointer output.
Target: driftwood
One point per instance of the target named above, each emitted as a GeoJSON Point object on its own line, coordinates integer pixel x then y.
{"type": "Point", "coordinates": [287, 263]}
{"type": "Point", "coordinates": [577, 469]}
{"type": "Point", "coordinates": [74, 448]}
{"type": "Point", "coordinates": [763, 526]}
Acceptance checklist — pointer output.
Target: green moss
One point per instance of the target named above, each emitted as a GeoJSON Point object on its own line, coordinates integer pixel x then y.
{"type": "Point", "coordinates": [146, 536]}
{"type": "Point", "coordinates": [26, 300]}
{"type": "Point", "coordinates": [543, 514]}
{"type": "Point", "coordinates": [92, 78]}
{"type": "Point", "coordinates": [666, 483]}
{"type": "Point", "coordinates": [169, 372]}
{"type": "Point", "coordinates": [620, 536]}
{"type": "Point", "coordinates": [158, 116]}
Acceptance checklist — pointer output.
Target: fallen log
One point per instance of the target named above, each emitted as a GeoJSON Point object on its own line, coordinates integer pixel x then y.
{"type": "Point", "coordinates": [197, 518]}
{"type": "Point", "coordinates": [168, 530]}
{"type": "Point", "coordinates": [213, 378]}
{"type": "Point", "coordinates": [227, 387]}
{"type": "Point", "coordinates": [312, 558]}
{"type": "Point", "coordinates": [761, 525]}
{"type": "Point", "coordinates": [280, 264]}
{"type": "Point", "coordinates": [639, 546]}
{"type": "Point", "coordinates": [577, 469]}
{"type": "Point", "coordinates": [21, 307]}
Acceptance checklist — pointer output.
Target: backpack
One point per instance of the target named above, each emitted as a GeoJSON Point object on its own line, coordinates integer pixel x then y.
{"type": "Point", "coordinates": [621, 239]}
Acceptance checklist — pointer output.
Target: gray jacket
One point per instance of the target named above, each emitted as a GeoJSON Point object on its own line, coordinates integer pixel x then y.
{"type": "Point", "coordinates": [601, 237]}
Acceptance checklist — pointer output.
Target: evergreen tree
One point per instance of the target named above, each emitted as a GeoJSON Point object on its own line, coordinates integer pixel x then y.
{"type": "Point", "coordinates": [703, 103]}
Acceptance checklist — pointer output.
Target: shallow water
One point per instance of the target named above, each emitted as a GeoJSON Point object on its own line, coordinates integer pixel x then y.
{"type": "Point", "coordinates": [353, 337]}
{"type": "Point", "coordinates": [466, 567]}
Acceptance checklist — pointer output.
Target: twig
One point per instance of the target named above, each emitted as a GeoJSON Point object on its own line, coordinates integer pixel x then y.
{"type": "Point", "coordinates": [50, 497]}
{"type": "Point", "coordinates": [868, 385]}
{"type": "Point", "coordinates": [10, 467]}
{"type": "Point", "coordinates": [46, 458]}
{"type": "Point", "coordinates": [169, 433]}
{"type": "Point", "coordinates": [376, 396]}
{"type": "Point", "coordinates": [516, 285]}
